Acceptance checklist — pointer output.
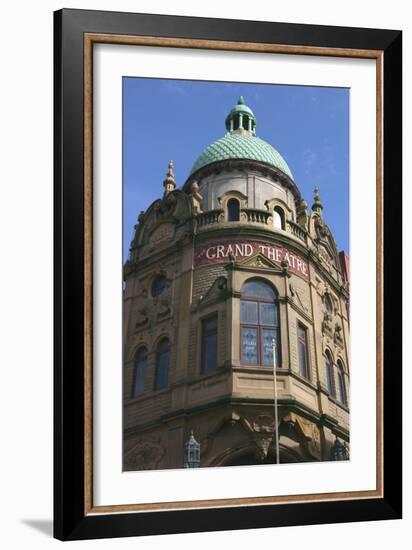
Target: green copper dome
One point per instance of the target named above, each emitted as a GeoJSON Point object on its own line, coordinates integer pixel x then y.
{"type": "Point", "coordinates": [238, 146]}
{"type": "Point", "coordinates": [241, 142]}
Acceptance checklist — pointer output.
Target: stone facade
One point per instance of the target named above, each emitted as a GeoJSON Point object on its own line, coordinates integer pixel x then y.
{"type": "Point", "coordinates": [185, 269]}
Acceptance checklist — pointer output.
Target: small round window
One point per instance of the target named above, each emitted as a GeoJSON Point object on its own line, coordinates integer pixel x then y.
{"type": "Point", "coordinates": [158, 285]}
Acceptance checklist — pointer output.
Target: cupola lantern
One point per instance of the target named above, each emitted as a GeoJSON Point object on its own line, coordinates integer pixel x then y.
{"type": "Point", "coordinates": [241, 119]}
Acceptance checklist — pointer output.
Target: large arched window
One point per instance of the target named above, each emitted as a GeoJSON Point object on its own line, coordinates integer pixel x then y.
{"type": "Point", "coordinates": [233, 210]}
{"type": "Point", "coordinates": [162, 364]}
{"type": "Point", "coordinates": [341, 383]}
{"type": "Point", "coordinates": [279, 218]}
{"type": "Point", "coordinates": [140, 364]}
{"type": "Point", "coordinates": [259, 318]}
{"type": "Point", "coordinates": [330, 382]}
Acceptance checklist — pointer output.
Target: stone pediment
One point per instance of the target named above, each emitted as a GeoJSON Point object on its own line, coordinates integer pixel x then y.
{"type": "Point", "coordinates": [261, 261]}
{"type": "Point", "coordinates": [216, 292]}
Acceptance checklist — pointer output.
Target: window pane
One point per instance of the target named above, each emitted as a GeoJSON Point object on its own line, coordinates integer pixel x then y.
{"type": "Point", "coordinates": [139, 373]}
{"type": "Point", "coordinates": [209, 345]}
{"type": "Point", "coordinates": [209, 353]}
{"type": "Point", "coordinates": [277, 220]}
{"type": "Point", "coordinates": [302, 360]}
{"type": "Point", "coordinates": [328, 303]}
{"type": "Point", "coordinates": [248, 312]}
{"type": "Point", "coordinates": [210, 325]}
{"type": "Point", "coordinates": [268, 314]}
{"type": "Point", "coordinates": [303, 354]}
{"type": "Point", "coordinates": [164, 346]}
{"type": "Point", "coordinates": [268, 335]}
{"type": "Point", "coordinates": [258, 289]}
{"type": "Point", "coordinates": [329, 380]}
{"type": "Point", "coordinates": [249, 346]}
{"type": "Point", "coordinates": [329, 376]}
{"type": "Point", "coordinates": [341, 385]}
{"type": "Point", "coordinates": [158, 285]}
{"type": "Point", "coordinates": [162, 365]}
{"type": "Point", "coordinates": [233, 213]}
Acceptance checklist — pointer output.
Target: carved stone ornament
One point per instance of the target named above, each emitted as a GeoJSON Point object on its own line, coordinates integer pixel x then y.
{"type": "Point", "coordinates": [264, 423]}
{"type": "Point", "coordinates": [338, 338]}
{"type": "Point", "coordinates": [145, 455]}
{"type": "Point", "coordinates": [163, 307]}
{"type": "Point", "coordinates": [259, 260]}
{"type": "Point", "coordinates": [141, 318]}
{"type": "Point", "coordinates": [312, 432]}
{"type": "Point", "coordinates": [321, 229]}
{"type": "Point", "coordinates": [327, 324]}
{"type": "Point", "coordinates": [324, 256]}
{"type": "Point", "coordinates": [164, 232]}
{"type": "Point", "coordinates": [285, 267]}
{"type": "Point", "coordinates": [263, 444]}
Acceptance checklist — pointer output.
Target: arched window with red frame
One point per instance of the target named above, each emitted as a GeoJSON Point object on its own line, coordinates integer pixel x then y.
{"type": "Point", "coordinates": [259, 323]}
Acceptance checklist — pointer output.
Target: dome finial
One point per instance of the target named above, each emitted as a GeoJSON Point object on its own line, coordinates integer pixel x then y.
{"type": "Point", "coordinates": [169, 183]}
{"type": "Point", "coordinates": [317, 205]}
{"type": "Point", "coordinates": [241, 119]}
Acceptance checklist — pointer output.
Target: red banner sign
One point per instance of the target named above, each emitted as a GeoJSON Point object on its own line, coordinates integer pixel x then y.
{"type": "Point", "coordinates": [222, 252]}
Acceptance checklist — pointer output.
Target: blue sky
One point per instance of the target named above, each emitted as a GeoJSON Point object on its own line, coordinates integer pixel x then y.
{"type": "Point", "coordinates": [176, 119]}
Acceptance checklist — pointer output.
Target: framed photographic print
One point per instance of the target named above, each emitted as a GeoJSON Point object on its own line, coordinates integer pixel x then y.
{"type": "Point", "coordinates": [227, 274]}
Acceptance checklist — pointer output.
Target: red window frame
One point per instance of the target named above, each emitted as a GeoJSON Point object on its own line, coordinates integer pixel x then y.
{"type": "Point", "coordinates": [260, 328]}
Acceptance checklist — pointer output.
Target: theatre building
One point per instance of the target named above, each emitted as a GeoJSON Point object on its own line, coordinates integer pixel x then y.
{"type": "Point", "coordinates": [223, 271]}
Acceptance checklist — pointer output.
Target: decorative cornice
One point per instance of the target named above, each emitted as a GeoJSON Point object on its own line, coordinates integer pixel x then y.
{"type": "Point", "coordinates": [230, 165]}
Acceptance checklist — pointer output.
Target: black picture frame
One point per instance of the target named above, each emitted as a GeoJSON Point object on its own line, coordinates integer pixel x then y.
{"type": "Point", "coordinates": [71, 522]}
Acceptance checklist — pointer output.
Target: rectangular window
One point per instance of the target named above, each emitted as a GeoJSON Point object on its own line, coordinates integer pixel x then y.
{"type": "Point", "coordinates": [249, 346]}
{"type": "Point", "coordinates": [209, 344]}
{"type": "Point", "coordinates": [341, 387]}
{"type": "Point", "coordinates": [303, 351]}
{"type": "Point", "coordinates": [268, 314]}
{"type": "Point", "coordinates": [329, 378]}
{"type": "Point", "coordinates": [139, 376]}
{"type": "Point", "coordinates": [267, 336]}
{"type": "Point", "coordinates": [162, 373]}
{"type": "Point", "coordinates": [248, 312]}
